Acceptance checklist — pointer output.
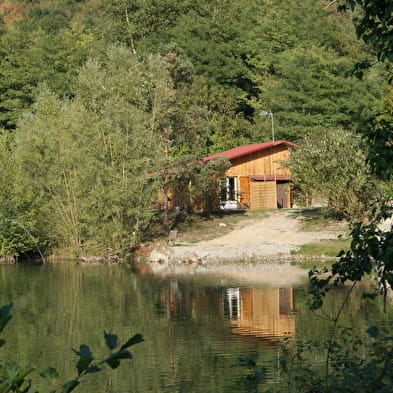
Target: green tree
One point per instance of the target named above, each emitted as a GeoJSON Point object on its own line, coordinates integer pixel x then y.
{"type": "Point", "coordinates": [373, 24]}
{"type": "Point", "coordinates": [29, 57]}
{"type": "Point", "coordinates": [333, 168]}
{"type": "Point", "coordinates": [301, 54]}
{"type": "Point", "coordinates": [86, 168]}
{"type": "Point", "coordinates": [309, 93]}
{"type": "Point", "coordinates": [84, 165]}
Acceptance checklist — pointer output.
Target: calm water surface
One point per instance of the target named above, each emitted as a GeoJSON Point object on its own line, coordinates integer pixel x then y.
{"type": "Point", "coordinates": [195, 326]}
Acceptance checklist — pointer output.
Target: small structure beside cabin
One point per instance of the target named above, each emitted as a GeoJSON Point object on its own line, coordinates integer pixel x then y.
{"type": "Point", "coordinates": [257, 178]}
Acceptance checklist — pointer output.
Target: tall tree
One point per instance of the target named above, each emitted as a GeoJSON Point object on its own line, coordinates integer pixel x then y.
{"type": "Point", "coordinates": [332, 167]}
{"type": "Point", "coordinates": [88, 167]}
{"type": "Point", "coordinates": [84, 166]}
{"type": "Point", "coordinates": [34, 52]}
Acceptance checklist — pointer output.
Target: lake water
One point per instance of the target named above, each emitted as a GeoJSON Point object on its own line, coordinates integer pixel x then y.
{"type": "Point", "coordinates": [195, 325]}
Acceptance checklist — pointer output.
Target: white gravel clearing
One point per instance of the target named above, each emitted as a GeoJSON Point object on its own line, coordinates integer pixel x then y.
{"type": "Point", "coordinates": [264, 239]}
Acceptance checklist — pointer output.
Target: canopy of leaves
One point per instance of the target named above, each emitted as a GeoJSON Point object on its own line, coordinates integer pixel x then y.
{"type": "Point", "coordinates": [333, 168]}
{"type": "Point", "coordinates": [246, 56]}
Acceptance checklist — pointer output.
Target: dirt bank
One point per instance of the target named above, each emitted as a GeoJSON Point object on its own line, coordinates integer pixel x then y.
{"type": "Point", "coordinates": [263, 239]}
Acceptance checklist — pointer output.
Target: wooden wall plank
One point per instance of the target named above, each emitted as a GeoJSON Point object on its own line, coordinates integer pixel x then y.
{"type": "Point", "coordinates": [263, 195]}
{"type": "Point", "coordinates": [265, 162]}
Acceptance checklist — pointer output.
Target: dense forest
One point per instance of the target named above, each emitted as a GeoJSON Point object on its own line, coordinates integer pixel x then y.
{"type": "Point", "coordinates": [101, 99]}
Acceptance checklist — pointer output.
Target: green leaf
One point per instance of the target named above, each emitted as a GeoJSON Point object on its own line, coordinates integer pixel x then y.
{"type": "Point", "coordinates": [114, 360]}
{"type": "Point", "coordinates": [10, 371]}
{"type": "Point", "coordinates": [4, 387]}
{"type": "Point", "coordinates": [84, 351]}
{"type": "Point", "coordinates": [111, 340]}
{"type": "Point", "coordinates": [70, 386]}
{"type": "Point", "coordinates": [25, 386]}
{"type": "Point", "coordinates": [373, 331]}
{"type": "Point", "coordinates": [136, 339]}
{"type": "Point", "coordinates": [23, 372]}
{"type": "Point", "coordinates": [83, 364]}
{"type": "Point", "coordinates": [86, 358]}
{"type": "Point", "coordinates": [50, 374]}
{"type": "Point", "coordinates": [5, 315]}
{"type": "Point", "coordinates": [2, 342]}
{"type": "Point", "coordinates": [92, 369]}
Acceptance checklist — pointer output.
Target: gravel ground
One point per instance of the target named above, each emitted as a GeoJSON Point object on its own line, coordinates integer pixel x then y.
{"type": "Point", "coordinates": [270, 238]}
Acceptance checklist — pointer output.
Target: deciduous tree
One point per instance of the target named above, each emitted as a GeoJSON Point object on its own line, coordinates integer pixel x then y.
{"type": "Point", "coordinates": [333, 168]}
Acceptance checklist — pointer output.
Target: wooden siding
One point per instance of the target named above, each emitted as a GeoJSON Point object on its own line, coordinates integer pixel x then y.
{"type": "Point", "coordinates": [263, 195]}
{"type": "Point", "coordinates": [265, 162]}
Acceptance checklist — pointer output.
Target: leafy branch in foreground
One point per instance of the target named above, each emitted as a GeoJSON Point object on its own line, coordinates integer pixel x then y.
{"type": "Point", "coordinates": [370, 251]}
{"type": "Point", "coordinates": [13, 378]}
{"type": "Point", "coordinates": [357, 365]}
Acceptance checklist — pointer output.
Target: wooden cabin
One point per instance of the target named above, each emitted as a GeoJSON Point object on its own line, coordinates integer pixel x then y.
{"type": "Point", "coordinates": [257, 178]}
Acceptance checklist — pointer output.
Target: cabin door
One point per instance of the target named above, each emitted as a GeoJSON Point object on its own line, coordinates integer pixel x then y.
{"type": "Point", "coordinates": [282, 195]}
{"type": "Point", "coordinates": [244, 192]}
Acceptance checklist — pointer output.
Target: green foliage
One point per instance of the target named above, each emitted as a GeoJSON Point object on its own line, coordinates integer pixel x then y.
{"type": "Point", "coordinates": [249, 56]}
{"type": "Point", "coordinates": [254, 374]}
{"type": "Point", "coordinates": [357, 364]}
{"type": "Point", "coordinates": [241, 54]}
{"type": "Point", "coordinates": [370, 251]}
{"type": "Point", "coordinates": [379, 136]}
{"type": "Point", "coordinates": [84, 166]}
{"type": "Point", "coordinates": [373, 21]}
{"type": "Point", "coordinates": [318, 74]}
{"type": "Point", "coordinates": [13, 378]}
{"type": "Point", "coordinates": [333, 168]}
{"type": "Point", "coordinates": [30, 58]}
{"type": "Point", "coordinates": [373, 25]}
{"type": "Point", "coordinates": [198, 183]}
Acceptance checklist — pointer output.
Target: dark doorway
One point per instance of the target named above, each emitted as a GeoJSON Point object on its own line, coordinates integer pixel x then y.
{"type": "Point", "coordinates": [282, 195]}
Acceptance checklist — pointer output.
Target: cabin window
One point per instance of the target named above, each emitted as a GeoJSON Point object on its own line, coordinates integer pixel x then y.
{"type": "Point", "coordinates": [231, 189]}
{"type": "Point", "coordinates": [229, 193]}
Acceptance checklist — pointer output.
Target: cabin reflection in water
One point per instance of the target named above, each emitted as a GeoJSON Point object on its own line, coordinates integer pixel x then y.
{"type": "Point", "coordinates": [261, 312]}
{"type": "Point", "coordinates": [254, 312]}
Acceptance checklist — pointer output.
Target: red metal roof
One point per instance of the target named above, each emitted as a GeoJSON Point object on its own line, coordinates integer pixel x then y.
{"type": "Point", "coordinates": [247, 149]}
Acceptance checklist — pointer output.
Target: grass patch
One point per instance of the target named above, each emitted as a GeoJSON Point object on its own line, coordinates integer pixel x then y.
{"type": "Point", "coordinates": [324, 248]}
{"type": "Point", "coordinates": [317, 219]}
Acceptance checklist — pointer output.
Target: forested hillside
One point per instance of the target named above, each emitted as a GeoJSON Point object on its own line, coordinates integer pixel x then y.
{"type": "Point", "coordinates": [98, 98]}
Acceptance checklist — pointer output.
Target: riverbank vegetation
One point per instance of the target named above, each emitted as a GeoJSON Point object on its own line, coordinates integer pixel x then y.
{"type": "Point", "coordinates": [104, 103]}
